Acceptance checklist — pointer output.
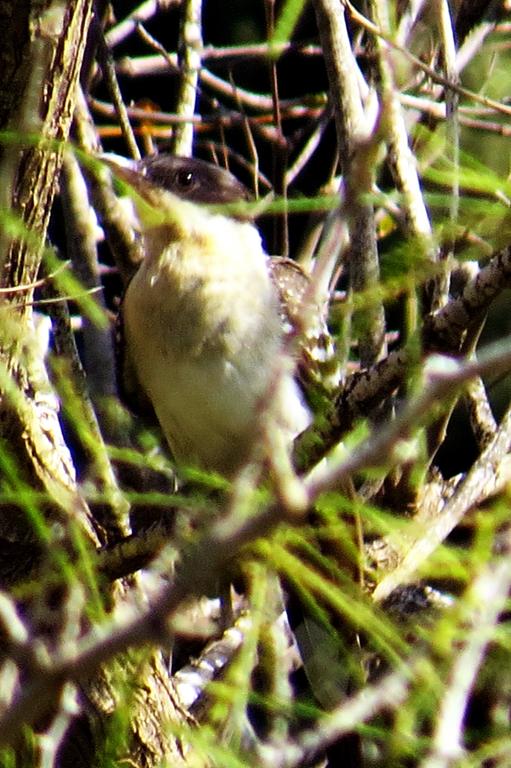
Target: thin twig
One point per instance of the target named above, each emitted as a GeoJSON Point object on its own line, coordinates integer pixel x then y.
{"type": "Point", "coordinates": [482, 420]}
{"type": "Point", "coordinates": [485, 600]}
{"type": "Point", "coordinates": [108, 69]}
{"type": "Point", "coordinates": [400, 155]}
{"type": "Point", "coordinates": [445, 376]}
{"type": "Point", "coordinates": [190, 65]}
{"type": "Point", "coordinates": [311, 743]}
{"type": "Point", "coordinates": [357, 161]}
{"type": "Point", "coordinates": [429, 71]}
{"type": "Point", "coordinates": [129, 24]}
{"type": "Point", "coordinates": [482, 480]}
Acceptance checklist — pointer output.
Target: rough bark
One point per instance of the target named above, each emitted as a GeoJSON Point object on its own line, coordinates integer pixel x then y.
{"type": "Point", "coordinates": [43, 45]}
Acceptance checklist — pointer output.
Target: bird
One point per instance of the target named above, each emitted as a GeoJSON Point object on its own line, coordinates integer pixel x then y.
{"type": "Point", "coordinates": [204, 331]}
{"type": "Point", "coordinates": [203, 323]}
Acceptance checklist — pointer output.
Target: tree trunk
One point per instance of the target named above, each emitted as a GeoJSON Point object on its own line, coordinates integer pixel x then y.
{"type": "Point", "coordinates": [43, 46]}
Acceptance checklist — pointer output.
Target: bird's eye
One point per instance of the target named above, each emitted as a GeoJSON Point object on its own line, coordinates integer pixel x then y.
{"type": "Point", "coordinates": [185, 179]}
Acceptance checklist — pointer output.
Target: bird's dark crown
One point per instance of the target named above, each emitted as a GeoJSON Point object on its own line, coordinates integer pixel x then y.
{"type": "Point", "coordinates": [192, 179]}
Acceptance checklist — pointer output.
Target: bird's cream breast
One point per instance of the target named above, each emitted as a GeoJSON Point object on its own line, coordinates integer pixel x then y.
{"type": "Point", "coordinates": [202, 324]}
{"type": "Point", "coordinates": [211, 289]}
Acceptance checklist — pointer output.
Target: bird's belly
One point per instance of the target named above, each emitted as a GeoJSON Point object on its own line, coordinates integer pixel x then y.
{"type": "Point", "coordinates": [210, 369]}
{"type": "Point", "coordinates": [208, 410]}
